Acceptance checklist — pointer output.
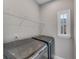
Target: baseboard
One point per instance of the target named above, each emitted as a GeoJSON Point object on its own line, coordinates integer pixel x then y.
{"type": "Point", "coordinates": [57, 57]}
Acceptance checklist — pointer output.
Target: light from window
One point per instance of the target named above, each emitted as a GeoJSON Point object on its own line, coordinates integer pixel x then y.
{"type": "Point", "coordinates": [64, 23]}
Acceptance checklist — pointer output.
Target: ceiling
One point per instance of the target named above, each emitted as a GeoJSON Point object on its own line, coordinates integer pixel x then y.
{"type": "Point", "coordinates": [42, 1]}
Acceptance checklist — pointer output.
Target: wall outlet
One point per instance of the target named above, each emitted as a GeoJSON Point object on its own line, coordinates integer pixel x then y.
{"type": "Point", "coordinates": [16, 37]}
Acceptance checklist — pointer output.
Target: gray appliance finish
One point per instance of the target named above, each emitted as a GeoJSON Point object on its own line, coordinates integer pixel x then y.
{"type": "Point", "coordinates": [28, 48]}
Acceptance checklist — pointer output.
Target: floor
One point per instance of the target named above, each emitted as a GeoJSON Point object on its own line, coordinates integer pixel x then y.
{"type": "Point", "coordinates": [56, 57]}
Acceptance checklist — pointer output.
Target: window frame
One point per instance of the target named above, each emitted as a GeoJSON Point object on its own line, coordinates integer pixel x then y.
{"type": "Point", "coordinates": [67, 11]}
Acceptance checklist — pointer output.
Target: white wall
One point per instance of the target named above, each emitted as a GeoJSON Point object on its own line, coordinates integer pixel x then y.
{"type": "Point", "coordinates": [21, 19]}
{"type": "Point", "coordinates": [63, 46]}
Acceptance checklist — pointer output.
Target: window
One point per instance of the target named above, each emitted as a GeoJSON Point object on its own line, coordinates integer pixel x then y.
{"type": "Point", "coordinates": [64, 23]}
